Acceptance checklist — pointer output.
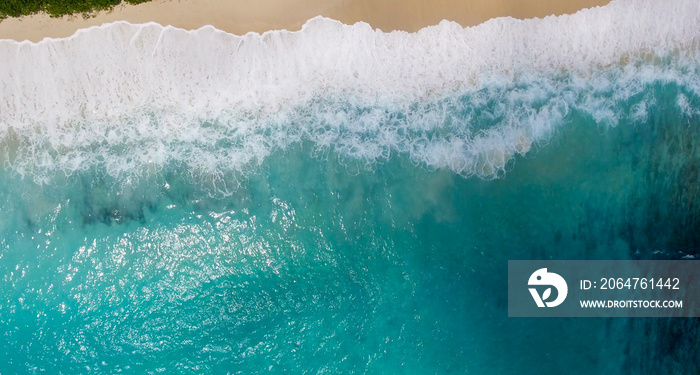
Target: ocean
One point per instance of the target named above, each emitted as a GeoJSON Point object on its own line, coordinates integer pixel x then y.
{"type": "Point", "coordinates": [341, 199]}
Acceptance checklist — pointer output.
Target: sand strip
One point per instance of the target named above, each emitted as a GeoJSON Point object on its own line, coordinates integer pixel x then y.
{"type": "Point", "coordinates": [242, 16]}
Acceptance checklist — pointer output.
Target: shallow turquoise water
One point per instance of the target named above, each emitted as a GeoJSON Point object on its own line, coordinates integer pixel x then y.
{"type": "Point", "coordinates": [321, 262]}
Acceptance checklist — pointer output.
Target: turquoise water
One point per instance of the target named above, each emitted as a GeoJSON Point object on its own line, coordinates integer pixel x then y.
{"type": "Point", "coordinates": [346, 233]}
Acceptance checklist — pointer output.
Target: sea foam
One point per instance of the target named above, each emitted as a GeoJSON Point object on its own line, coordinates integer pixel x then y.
{"type": "Point", "coordinates": [129, 99]}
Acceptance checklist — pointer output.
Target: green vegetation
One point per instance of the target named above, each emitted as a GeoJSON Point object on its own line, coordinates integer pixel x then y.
{"type": "Point", "coordinates": [57, 8]}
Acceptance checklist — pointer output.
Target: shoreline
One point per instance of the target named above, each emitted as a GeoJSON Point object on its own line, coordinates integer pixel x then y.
{"type": "Point", "coordinates": [240, 17]}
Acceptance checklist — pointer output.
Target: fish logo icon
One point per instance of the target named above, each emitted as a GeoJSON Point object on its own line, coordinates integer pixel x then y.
{"type": "Point", "coordinates": [543, 278]}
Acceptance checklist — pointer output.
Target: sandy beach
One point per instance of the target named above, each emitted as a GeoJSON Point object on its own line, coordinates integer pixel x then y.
{"type": "Point", "coordinates": [240, 17]}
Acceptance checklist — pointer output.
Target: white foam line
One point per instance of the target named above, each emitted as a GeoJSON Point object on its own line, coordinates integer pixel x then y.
{"type": "Point", "coordinates": [105, 76]}
{"type": "Point", "coordinates": [326, 54]}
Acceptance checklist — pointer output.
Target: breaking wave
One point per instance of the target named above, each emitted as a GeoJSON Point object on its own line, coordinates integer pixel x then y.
{"type": "Point", "coordinates": [129, 100]}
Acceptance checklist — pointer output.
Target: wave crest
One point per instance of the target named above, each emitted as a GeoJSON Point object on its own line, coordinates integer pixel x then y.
{"type": "Point", "coordinates": [133, 98]}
